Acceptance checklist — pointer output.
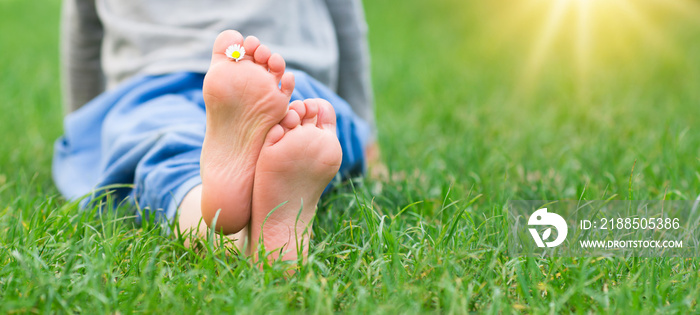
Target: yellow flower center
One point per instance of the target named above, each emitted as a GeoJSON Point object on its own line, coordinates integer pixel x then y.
{"type": "Point", "coordinates": [236, 54]}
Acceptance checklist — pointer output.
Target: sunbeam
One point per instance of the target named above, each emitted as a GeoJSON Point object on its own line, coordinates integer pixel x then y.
{"type": "Point", "coordinates": [541, 48]}
{"type": "Point", "coordinates": [583, 39]}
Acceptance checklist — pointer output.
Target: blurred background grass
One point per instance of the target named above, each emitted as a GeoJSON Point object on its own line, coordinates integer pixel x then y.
{"type": "Point", "coordinates": [30, 103]}
{"type": "Point", "coordinates": [458, 96]}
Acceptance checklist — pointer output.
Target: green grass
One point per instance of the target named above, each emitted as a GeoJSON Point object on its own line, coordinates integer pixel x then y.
{"type": "Point", "coordinates": [460, 140]}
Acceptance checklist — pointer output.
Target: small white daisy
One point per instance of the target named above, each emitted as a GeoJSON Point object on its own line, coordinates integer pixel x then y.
{"type": "Point", "coordinates": [235, 52]}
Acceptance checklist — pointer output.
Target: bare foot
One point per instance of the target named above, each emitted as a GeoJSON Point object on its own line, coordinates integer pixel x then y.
{"type": "Point", "coordinates": [299, 158]}
{"type": "Point", "coordinates": [243, 101]}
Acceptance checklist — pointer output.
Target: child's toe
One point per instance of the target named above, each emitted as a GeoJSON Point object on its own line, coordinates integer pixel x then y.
{"type": "Point", "coordinates": [262, 55]}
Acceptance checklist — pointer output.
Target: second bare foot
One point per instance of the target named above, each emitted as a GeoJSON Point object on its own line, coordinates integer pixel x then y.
{"type": "Point", "coordinates": [299, 158]}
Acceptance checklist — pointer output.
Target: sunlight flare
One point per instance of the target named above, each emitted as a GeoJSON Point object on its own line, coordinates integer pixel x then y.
{"type": "Point", "coordinates": [588, 37]}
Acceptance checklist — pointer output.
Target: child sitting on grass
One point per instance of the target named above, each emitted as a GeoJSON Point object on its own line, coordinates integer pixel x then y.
{"type": "Point", "coordinates": [259, 130]}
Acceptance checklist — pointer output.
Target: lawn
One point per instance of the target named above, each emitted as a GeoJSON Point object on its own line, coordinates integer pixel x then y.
{"type": "Point", "coordinates": [479, 103]}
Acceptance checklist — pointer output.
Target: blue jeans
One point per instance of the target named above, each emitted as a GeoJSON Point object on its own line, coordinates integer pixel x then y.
{"type": "Point", "coordinates": [148, 134]}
